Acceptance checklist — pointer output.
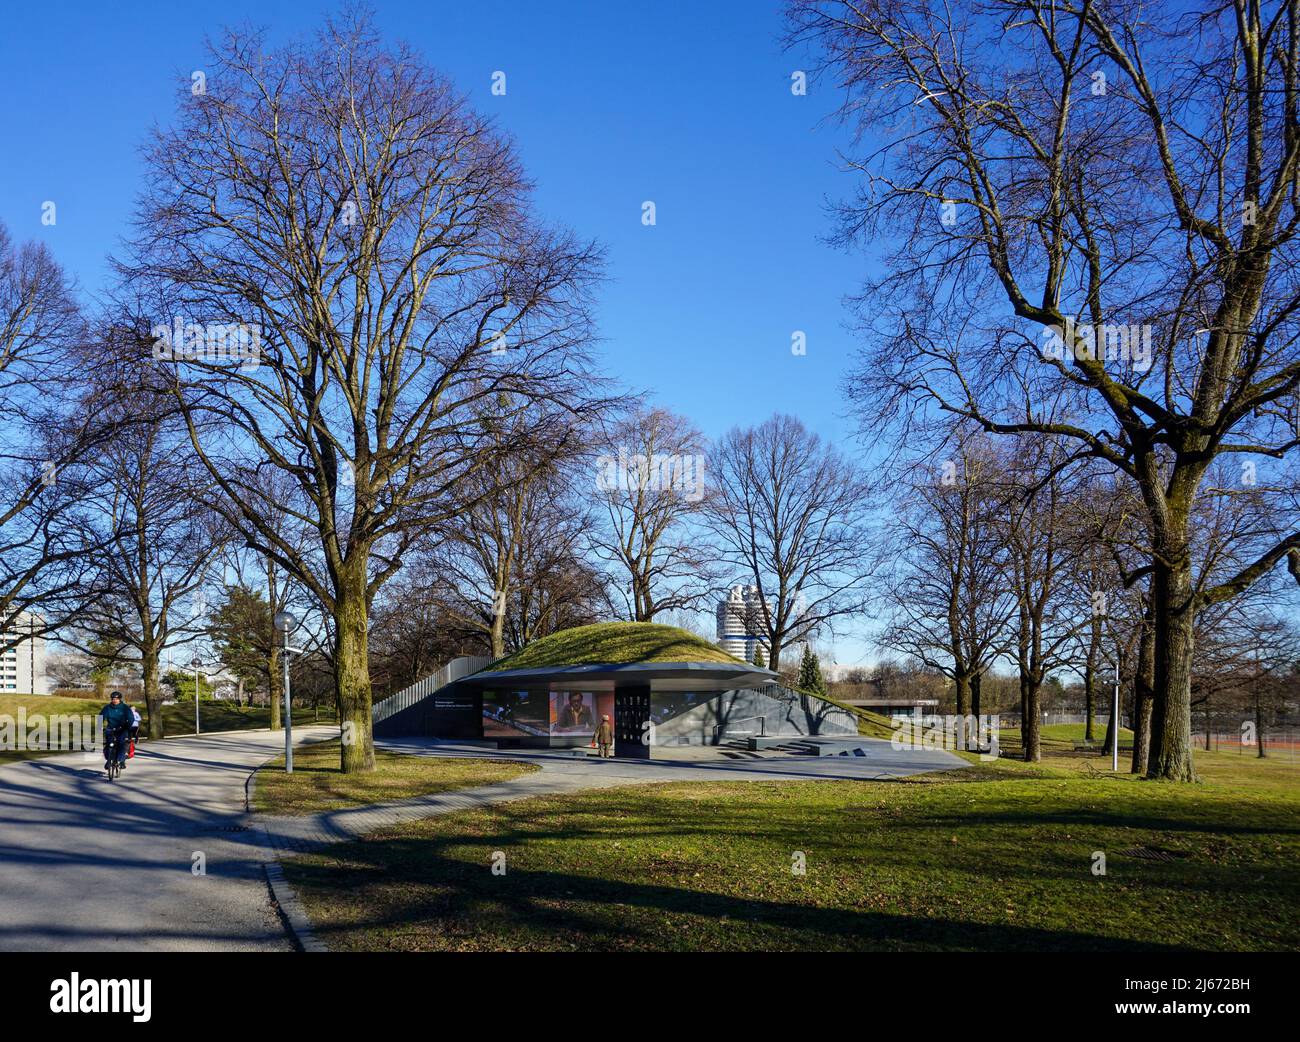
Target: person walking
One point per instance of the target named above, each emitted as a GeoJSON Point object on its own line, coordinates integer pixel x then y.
{"type": "Point", "coordinates": [604, 737]}
{"type": "Point", "coordinates": [135, 732]}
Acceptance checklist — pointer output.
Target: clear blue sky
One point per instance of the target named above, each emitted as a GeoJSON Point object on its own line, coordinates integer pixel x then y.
{"type": "Point", "coordinates": [612, 103]}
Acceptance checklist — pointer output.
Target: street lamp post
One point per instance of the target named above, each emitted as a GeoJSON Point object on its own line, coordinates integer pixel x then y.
{"type": "Point", "coordinates": [196, 663]}
{"type": "Point", "coordinates": [285, 623]}
{"type": "Point", "coordinates": [1114, 744]}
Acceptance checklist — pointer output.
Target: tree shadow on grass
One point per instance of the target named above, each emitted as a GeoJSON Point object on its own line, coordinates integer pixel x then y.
{"type": "Point", "coordinates": [423, 899]}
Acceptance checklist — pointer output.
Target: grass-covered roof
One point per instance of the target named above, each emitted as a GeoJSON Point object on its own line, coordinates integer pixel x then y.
{"type": "Point", "coordinates": [615, 643]}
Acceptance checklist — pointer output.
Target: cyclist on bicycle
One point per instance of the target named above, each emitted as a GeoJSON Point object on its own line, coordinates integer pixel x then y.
{"type": "Point", "coordinates": [117, 718]}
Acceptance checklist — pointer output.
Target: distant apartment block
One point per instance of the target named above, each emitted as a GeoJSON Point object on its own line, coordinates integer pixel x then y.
{"type": "Point", "coordinates": [22, 667]}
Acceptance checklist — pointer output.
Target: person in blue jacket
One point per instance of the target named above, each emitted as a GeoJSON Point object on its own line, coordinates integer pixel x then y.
{"type": "Point", "coordinates": [118, 718]}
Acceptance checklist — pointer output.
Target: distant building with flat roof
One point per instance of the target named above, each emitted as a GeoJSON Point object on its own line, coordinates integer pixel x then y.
{"type": "Point", "coordinates": [22, 667]}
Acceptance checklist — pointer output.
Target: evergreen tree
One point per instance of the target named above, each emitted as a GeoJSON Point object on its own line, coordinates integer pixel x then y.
{"type": "Point", "coordinates": [810, 673]}
{"type": "Point", "coordinates": [759, 658]}
{"type": "Point", "coordinates": [241, 634]}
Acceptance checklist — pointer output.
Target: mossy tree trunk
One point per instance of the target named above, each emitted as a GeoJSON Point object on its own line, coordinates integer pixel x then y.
{"type": "Point", "coordinates": [1143, 698]}
{"type": "Point", "coordinates": [351, 664]}
{"type": "Point", "coordinates": [1174, 615]}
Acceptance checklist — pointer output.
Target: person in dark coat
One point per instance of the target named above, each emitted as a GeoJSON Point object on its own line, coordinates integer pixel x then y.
{"type": "Point", "coordinates": [117, 717]}
{"type": "Point", "coordinates": [574, 716]}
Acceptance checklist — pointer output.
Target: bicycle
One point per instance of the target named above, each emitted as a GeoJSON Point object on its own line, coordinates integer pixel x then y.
{"type": "Point", "coordinates": [113, 766]}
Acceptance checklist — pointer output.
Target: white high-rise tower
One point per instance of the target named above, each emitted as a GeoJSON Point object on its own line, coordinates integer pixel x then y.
{"type": "Point", "coordinates": [742, 620]}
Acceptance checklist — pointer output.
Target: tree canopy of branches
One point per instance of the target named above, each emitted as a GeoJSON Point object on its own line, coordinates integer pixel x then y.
{"type": "Point", "coordinates": [652, 486]}
{"type": "Point", "coordinates": [49, 424]}
{"type": "Point", "coordinates": [343, 209]}
{"type": "Point", "coordinates": [791, 514]}
{"type": "Point", "coordinates": [950, 599]}
{"type": "Point", "coordinates": [157, 541]}
{"type": "Point", "coordinates": [1093, 204]}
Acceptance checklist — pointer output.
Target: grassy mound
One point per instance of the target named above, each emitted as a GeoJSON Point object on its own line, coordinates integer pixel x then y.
{"type": "Point", "coordinates": [615, 643]}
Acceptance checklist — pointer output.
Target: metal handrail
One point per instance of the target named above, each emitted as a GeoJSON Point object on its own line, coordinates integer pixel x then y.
{"type": "Point", "coordinates": [718, 728]}
{"type": "Point", "coordinates": [456, 669]}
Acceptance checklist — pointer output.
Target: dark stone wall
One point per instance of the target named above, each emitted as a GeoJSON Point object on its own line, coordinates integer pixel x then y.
{"type": "Point", "coordinates": [450, 712]}
{"type": "Point", "coordinates": [733, 714]}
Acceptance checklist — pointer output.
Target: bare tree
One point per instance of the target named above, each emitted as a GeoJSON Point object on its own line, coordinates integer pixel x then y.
{"type": "Point", "coordinates": [652, 484]}
{"type": "Point", "coordinates": [158, 543]}
{"type": "Point", "coordinates": [1093, 203]}
{"type": "Point", "coordinates": [339, 205]}
{"type": "Point", "coordinates": [49, 424]}
{"type": "Point", "coordinates": [1042, 556]}
{"type": "Point", "coordinates": [792, 515]}
{"type": "Point", "coordinates": [951, 604]}
{"type": "Point", "coordinates": [527, 501]}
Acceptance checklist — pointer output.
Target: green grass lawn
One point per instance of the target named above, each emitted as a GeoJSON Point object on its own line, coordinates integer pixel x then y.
{"type": "Point", "coordinates": [317, 784]}
{"type": "Point", "coordinates": [49, 705]}
{"type": "Point", "coordinates": [996, 857]}
{"type": "Point", "coordinates": [177, 719]}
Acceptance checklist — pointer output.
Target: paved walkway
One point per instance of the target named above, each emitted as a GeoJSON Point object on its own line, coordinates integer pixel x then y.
{"type": "Point", "coordinates": [89, 865]}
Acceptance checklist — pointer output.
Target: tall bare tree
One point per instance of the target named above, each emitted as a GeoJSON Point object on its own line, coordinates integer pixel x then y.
{"type": "Point", "coordinates": [158, 543]}
{"type": "Point", "coordinates": [792, 516]}
{"type": "Point", "coordinates": [1042, 555]}
{"type": "Point", "coordinates": [341, 208]}
{"type": "Point", "coordinates": [950, 602]}
{"type": "Point", "coordinates": [49, 424]}
{"type": "Point", "coordinates": [1094, 202]}
{"type": "Point", "coordinates": [652, 486]}
{"type": "Point", "coordinates": [529, 501]}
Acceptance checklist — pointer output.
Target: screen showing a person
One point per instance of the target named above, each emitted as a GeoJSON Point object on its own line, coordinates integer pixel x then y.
{"type": "Point", "coordinates": [573, 712]}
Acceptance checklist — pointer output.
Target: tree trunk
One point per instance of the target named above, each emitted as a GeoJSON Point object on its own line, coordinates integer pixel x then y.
{"type": "Point", "coordinates": [1259, 729]}
{"type": "Point", "coordinates": [1174, 616]}
{"type": "Point", "coordinates": [1090, 679]}
{"type": "Point", "coordinates": [1030, 719]}
{"type": "Point", "coordinates": [352, 664]}
{"type": "Point", "coordinates": [1112, 718]}
{"type": "Point", "coordinates": [962, 682]}
{"type": "Point", "coordinates": [275, 675]}
{"type": "Point", "coordinates": [1143, 699]}
{"type": "Point", "coordinates": [152, 693]}
{"type": "Point", "coordinates": [496, 635]}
